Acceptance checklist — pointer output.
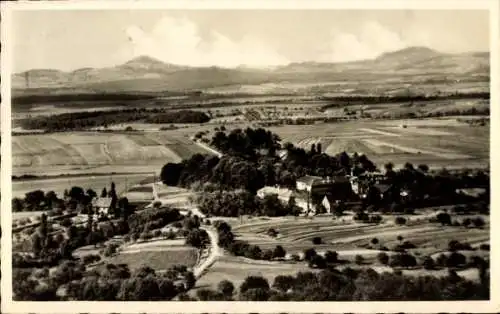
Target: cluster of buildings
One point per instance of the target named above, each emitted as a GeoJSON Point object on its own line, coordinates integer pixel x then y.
{"type": "Point", "coordinates": [313, 191]}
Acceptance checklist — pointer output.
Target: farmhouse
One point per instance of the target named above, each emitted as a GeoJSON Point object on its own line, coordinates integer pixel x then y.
{"type": "Point", "coordinates": [282, 193]}
{"type": "Point", "coordinates": [101, 205]}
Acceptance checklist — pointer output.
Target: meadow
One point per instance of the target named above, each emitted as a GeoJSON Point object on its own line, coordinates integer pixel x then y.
{"type": "Point", "coordinates": [91, 152]}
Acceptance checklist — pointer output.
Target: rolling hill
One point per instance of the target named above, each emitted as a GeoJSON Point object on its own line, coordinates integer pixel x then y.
{"type": "Point", "coordinates": [146, 74]}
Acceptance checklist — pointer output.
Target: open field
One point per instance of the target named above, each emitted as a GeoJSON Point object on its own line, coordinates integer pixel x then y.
{"type": "Point", "coordinates": [432, 141]}
{"type": "Point", "coordinates": [157, 255]}
{"type": "Point", "coordinates": [120, 152]}
{"type": "Point", "coordinates": [236, 269]}
{"type": "Point", "coordinates": [296, 235]}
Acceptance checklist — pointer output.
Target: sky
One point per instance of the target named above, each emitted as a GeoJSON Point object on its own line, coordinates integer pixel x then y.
{"type": "Point", "coordinates": [69, 40]}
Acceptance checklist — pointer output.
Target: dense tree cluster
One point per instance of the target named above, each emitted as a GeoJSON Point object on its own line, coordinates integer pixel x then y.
{"type": "Point", "coordinates": [243, 248]}
{"type": "Point", "coordinates": [104, 118]}
{"type": "Point", "coordinates": [353, 285]}
{"type": "Point", "coordinates": [240, 202]}
{"type": "Point", "coordinates": [70, 281]}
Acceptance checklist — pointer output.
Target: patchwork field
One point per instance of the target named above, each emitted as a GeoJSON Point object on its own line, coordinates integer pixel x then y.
{"type": "Point", "coordinates": [432, 141]}
{"type": "Point", "coordinates": [347, 237]}
{"type": "Point", "coordinates": [120, 152]}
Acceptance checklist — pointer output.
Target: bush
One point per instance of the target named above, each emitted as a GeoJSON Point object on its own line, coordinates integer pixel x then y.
{"type": "Point", "coordinates": [279, 252]}
{"type": "Point", "coordinates": [484, 247]}
{"type": "Point", "coordinates": [478, 222]}
{"type": "Point", "coordinates": [403, 260]}
{"type": "Point", "coordinates": [317, 240]}
{"type": "Point", "coordinates": [444, 219]}
{"type": "Point", "coordinates": [374, 241]}
{"type": "Point", "coordinates": [272, 232]}
{"type": "Point", "coordinates": [157, 233]}
{"type": "Point", "coordinates": [309, 254]}
{"type": "Point", "coordinates": [267, 255]}
{"type": "Point", "coordinates": [428, 263]}
{"type": "Point", "coordinates": [254, 282]}
{"type": "Point", "coordinates": [295, 257]}
{"type": "Point", "coordinates": [110, 249]}
{"type": "Point", "coordinates": [400, 220]}
{"type": "Point", "coordinates": [455, 259]}
{"type": "Point", "coordinates": [383, 258]}
{"type": "Point", "coordinates": [226, 288]}
{"type": "Point", "coordinates": [331, 257]}
{"type": "Point", "coordinates": [317, 261]}
{"type": "Point", "coordinates": [359, 259]}
{"type": "Point", "coordinates": [91, 258]}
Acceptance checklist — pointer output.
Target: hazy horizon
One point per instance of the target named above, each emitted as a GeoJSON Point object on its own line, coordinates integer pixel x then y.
{"type": "Point", "coordinates": [69, 40]}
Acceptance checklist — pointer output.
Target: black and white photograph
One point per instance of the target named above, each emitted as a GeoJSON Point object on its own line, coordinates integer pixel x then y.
{"type": "Point", "coordinates": [228, 154]}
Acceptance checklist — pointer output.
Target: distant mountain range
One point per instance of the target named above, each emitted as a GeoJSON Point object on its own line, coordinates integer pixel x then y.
{"type": "Point", "coordinates": [146, 74]}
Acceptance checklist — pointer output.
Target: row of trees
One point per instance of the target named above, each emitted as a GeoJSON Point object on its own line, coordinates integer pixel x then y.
{"type": "Point", "coordinates": [240, 202]}
{"type": "Point", "coordinates": [104, 118]}
{"type": "Point", "coordinates": [349, 285]}
{"type": "Point", "coordinates": [111, 283]}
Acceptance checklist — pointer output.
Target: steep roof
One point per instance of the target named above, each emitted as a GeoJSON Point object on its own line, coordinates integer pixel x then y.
{"type": "Point", "coordinates": [382, 187]}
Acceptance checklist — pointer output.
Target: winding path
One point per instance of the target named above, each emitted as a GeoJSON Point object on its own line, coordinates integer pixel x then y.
{"type": "Point", "coordinates": [215, 251]}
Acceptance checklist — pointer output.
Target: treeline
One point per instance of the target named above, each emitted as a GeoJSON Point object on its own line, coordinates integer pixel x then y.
{"type": "Point", "coordinates": [110, 283]}
{"type": "Point", "coordinates": [349, 285]}
{"type": "Point", "coordinates": [234, 203]}
{"type": "Point", "coordinates": [183, 116]}
{"type": "Point", "coordinates": [341, 101]}
{"type": "Point", "coordinates": [39, 99]}
{"type": "Point", "coordinates": [105, 118]}
{"type": "Point", "coordinates": [243, 248]}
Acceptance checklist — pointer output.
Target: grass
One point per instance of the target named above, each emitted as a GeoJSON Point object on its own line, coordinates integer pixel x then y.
{"type": "Point", "coordinates": [236, 269]}
{"type": "Point", "coordinates": [158, 260]}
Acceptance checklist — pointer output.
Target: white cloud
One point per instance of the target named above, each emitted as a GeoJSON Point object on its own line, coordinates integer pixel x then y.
{"type": "Point", "coordinates": [178, 41]}
{"type": "Point", "coordinates": [372, 40]}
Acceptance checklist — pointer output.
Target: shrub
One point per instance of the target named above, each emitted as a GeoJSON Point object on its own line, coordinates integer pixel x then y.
{"type": "Point", "coordinates": [331, 257]}
{"type": "Point", "coordinates": [444, 219]}
{"type": "Point", "coordinates": [110, 249]}
{"type": "Point", "coordinates": [279, 252]}
{"type": "Point", "coordinates": [403, 260]}
{"type": "Point", "coordinates": [157, 233]}
{"type": "Point", "coordinates": [467, 222]}
{"type": "Point", "coordinates": [359, 259]}
{"type": "Point", "coordinates": [272, 232]}
{"type": "Point", "coordinates": [295, 257]}
{"type": "Point", "coordinates": [91, 258]}
{"type": "Point", "coordinates": [484, 247]}
{"type": "Point", "coordinates": [254, 282]}
{"type": "Point", "coordinates": [428, 263]}
{"type": "Point", "coordinates": [478, 222]}
{"type": "Point", "coordinates": [267, 255]}
{"type": "Point", "coordinates": [441, 260]}
{"type": "Point", "coordinates": [455, 259]}
{"type": "Point", "coordinates": [383, 258]}
{"type": "Point", "coordinates": [400, 220]}
{"type": "Point", "coordinates": [309, 254]}
{"type": "Point", "coordinates": [317, 240]}
{"type": "Point", "coordinates": [226, 287]}
{"type": "Point", "coordinates": [374, 241]}
{"type": "Point", "coordinates": [317, 261]}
